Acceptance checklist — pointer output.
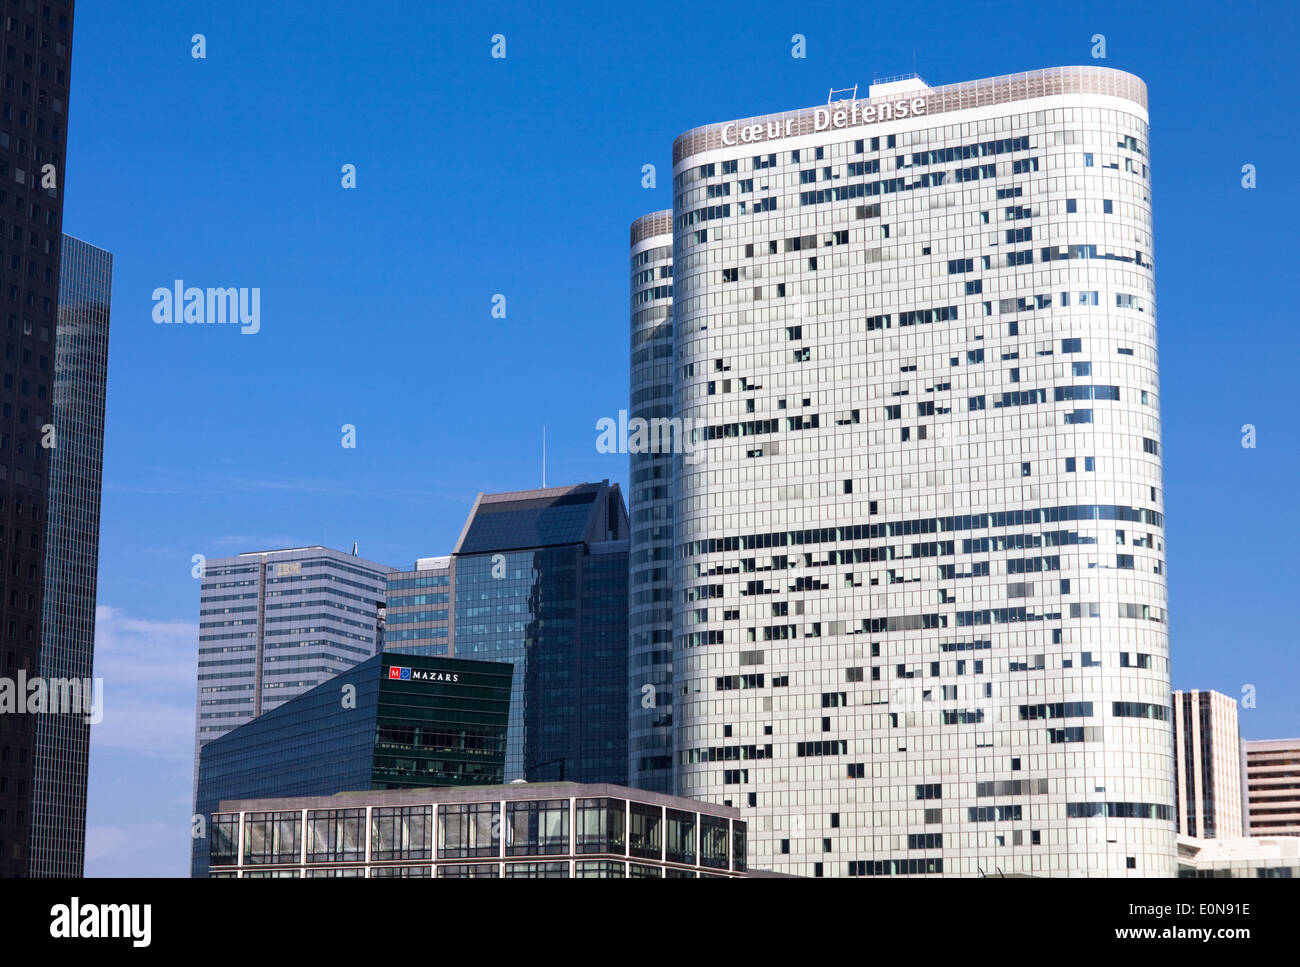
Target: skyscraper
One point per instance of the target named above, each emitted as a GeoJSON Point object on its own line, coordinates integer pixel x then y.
{"type": "Point", "coordinates": [1208, 789]}
{"type": "Point", "coordinates": [33, 139]}
{"type": "Point", "coordinates": [919, 584]}
{"type": "Point", "coordinates": [540, 582]}
{"type": "Point", "coordinates": [274, 624]}
{"type": "Point", "coordinates": [650, 479]}
{"type": "Point", "coordinates": [71, 553]}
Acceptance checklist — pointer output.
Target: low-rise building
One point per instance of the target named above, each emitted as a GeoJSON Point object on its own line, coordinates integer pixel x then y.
{"type": "Point", "coordinates": [548, 830]}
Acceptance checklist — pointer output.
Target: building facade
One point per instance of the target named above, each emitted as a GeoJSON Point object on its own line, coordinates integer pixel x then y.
{"type": "Point", "coordinates": [1208, 745]}
{"type": "Point", "coordinates": [551, 830]}
{"type": "Point", "coordinates": [418, 613]}
{"type": "Point", "coordinates": [391, 722]}
{"type": "Point", "coordinates": [273, 624]}
{"type": "Point", "coordinates": [650, 479]}
{"type": "Point", "coordinates": [1272, 858]}
{"type": "Point", "coordinates": [1272, 787]}
{"type": "Point", "coordinates": [58, 844]}
{"type": "Point", "coordinates": [541, 582]}
{"type": "Point", "coordinates": [919, 593]}
{"type": "Point", "coordinates": [33, 140]}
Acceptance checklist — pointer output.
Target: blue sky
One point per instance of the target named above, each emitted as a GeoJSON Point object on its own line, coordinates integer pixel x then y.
{"type": "Point", "coordinates": [520, 176]}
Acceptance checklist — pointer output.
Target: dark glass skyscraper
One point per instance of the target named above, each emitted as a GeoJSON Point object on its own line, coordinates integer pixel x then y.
{"type": "Point", "coordinates": [541, 582]}
{"type": "Point", "coordinates": [391, 722]}
{"type": "Point", "coordinates": [71, 554]}
{"type": "Point", "coordinates": [36, 46]}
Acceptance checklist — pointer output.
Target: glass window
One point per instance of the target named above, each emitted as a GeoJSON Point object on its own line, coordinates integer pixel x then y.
{"type": "Point", "coordinates": [739, 845]}
{"type": "Point", "coordinates": [469, 829]}
{"type": "Point", "coordinates": [713, 841]}
{"type": "Point", "coordinates": [225, 840]}
{"type": "Point", "coordinates": [469, 871]}
{"type": "Point", "coordinates": [336, 835]}
{"type": "Point", "coordinates": [646, 834]}
{"type": "Point", "coordinates": [537, 828]}
{"type": "Point", "coordinates": [539, 871]}
{"type": "Point", "coordinates": [600, 869]}
{"type": "Point", "coordinates": [273, 837]}
{"type": "Point", "coordinates": [405, 872]}
{"type": "Point", "coordinates": [681, 836]}
{"type": "Point", "coordinates": [600, 825]}
{"type": "Point", "coordinates": [639, 871]}
{"type": "Point", "coordinates": [401, 833]}
{"type": "Point", "coordinates": [355, 871]}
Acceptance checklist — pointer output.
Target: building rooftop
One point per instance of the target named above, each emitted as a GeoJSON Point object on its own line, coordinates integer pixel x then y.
{"type": "Point", "coordinates": [549, 517]}
{"type": "Point", "coordinates": [515, 791]}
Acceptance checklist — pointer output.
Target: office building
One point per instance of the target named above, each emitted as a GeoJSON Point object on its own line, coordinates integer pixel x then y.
{"type": "Point", "coordinates": [920, 607]}
{"type": "Point", "coordinates": [548, 830]}
{"type": "Point", "coordinates": [418, 614]}
{"type": "Point", "coordinates": [1208, 751]}
{"type": "Point", "coordinates": [33, 140]}
{"type": "Point", "coordinates": [650, 482]}
{"type": "Point", "coordinates": [1272, 787]}
{"type": "Point", "coordinates": [540, 582]}
{"type": "Point", "coordinates": [273, 624]}
{"type": "Point", "coordinates": [379, 725]}
{"type": "Point", "coordinates": [58, 841]}
{"type": "Point", "coordinates": [1275, 857]}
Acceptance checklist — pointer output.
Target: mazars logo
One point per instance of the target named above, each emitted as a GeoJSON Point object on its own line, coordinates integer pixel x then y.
{"type": "Point", "coordinates": [419, 675]}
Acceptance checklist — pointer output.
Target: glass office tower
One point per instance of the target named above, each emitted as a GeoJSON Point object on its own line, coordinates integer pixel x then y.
{"type": "Point", "coordinates": [71, 553]}
{"type": "Point", "coordinates": [541, 582]}
{"type": "Point", "coordinates": [390, 722]}
{"type": "Point", "coordinates": [920, 620]}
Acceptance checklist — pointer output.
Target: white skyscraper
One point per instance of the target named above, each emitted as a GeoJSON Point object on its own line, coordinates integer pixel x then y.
{"type": "Point", "coordinates": [1208, 746]}
{"type": "Point", "coordinates": [919, 589]}
{"type": "Point", "coordinates": [650, 479]}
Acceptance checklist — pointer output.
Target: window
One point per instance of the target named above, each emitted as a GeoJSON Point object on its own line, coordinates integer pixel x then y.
{"type": "Point", "coordinates": [272, 837]}
{"type": "Point", "coordinates": [401, 832]}
{"type": "Point", "coordinates": [681, 837]}
{"type": "Point", "coordinates": [537, 828]}
{"type": "Point", "coordinates": [713, 842]}
{"type": "Point", "coordinates": [225, 840]}
{"type": "Point", "coordinates": [469, 829]}
{"type": "Point", "coordinates": [646, 833]}
{"type": "Point", "coordinates": [336, 835]}
{"type": "Point", "coordinates": [600, 825]}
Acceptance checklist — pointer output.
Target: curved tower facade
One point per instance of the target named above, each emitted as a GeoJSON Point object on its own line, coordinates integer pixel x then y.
{"type": "Point", "coordinates": [920, 607]}
{"type": "Point", "coordinates": [650, 615]}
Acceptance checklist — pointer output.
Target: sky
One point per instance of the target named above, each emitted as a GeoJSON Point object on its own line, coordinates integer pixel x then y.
{"type": "Point", "coordinates": [478, 177]}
